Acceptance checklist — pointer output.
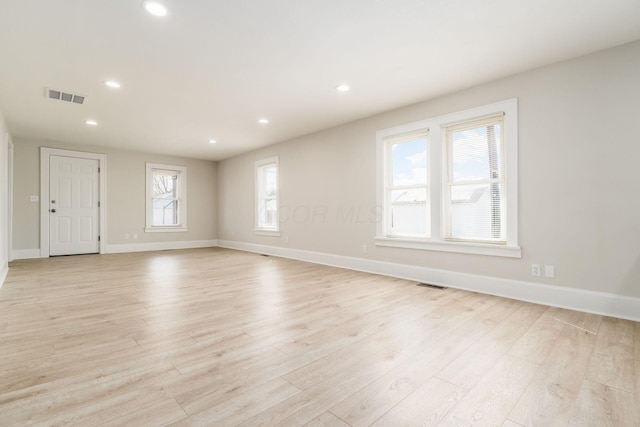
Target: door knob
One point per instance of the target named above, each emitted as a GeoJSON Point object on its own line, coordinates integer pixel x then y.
{"type": "Point", "coordinates": [53, 211]}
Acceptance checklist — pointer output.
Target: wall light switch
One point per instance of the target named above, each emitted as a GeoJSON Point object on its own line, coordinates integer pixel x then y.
{"type": "Point", "coordinates": [549, 271]}
{"type": "Point", "coordinates": [34, 198]}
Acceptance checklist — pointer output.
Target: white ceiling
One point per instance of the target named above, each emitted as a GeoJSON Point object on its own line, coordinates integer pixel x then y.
{"type": "Point", "coordinates": [211, 69]}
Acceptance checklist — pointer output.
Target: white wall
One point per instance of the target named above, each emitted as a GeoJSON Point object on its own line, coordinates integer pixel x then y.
{"type": "Point", "coordinates": [5, 141]}
{"type": "Point", "coordinates": [579, 195]}
{"type": "Point", "coordinates": [125, 198]}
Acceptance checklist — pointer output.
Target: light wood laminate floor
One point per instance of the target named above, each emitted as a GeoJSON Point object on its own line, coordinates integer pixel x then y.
{"type": "Point", "coordinates": [222, 338]}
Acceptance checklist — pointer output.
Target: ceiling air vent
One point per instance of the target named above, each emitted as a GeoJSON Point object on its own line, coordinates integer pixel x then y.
{"type": "Point", "coordinates": [63, 96]}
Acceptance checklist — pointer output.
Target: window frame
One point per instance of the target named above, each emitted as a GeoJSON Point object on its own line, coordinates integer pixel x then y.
{"type": "Point", "coordinates": [437, 153]}
{"type": "Point", "coordinates": [182, 198]}
{"type": "Point", "coordinates": [259, 166]}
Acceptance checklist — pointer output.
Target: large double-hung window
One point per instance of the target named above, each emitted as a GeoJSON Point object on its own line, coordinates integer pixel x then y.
{"type": "Point", "coordinates": [449, 183]}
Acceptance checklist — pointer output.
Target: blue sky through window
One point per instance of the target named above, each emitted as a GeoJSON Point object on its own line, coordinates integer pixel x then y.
{"type": "Point", "coordinates": [409, 162]}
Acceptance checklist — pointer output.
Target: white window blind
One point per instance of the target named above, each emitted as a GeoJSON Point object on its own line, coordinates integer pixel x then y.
{"type": "Point", "coordinates": [474, 194]}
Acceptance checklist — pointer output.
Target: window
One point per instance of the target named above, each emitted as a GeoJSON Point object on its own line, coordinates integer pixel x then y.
{"type": "Point", "coordinates": [166, 198]}
{"type": "Point", "coordinates": [267, 197]}
{"type": "Point", "coordinates": [450, 183]}
{"type": "Point", "coordinates": [407, 188]}
{"type": "Point", "coordinates": [474, 191]}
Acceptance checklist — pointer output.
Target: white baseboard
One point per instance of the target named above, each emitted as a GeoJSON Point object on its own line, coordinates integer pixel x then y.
{"type": "Point", "coordinates": [132, 247]}
{"type": "Point", "coordinates": [25, 254]}
{"type": "Point", "coordinates": [3, 273]}
{"type": "Point", "coordinates": [619, 306]}
{"type": "Point", "coordinates": [160, 246]}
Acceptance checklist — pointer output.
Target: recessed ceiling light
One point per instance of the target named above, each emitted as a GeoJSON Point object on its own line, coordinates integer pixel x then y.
{"type": "Point", "coordinates": [91, 123]}
{"type": "Point", "coordinates": [263, 121]}
{"type": "Point", "coordinates": [112, 84]}
{"type": "Point", "coordinates": [342, 88]}
{"type": "Point", "coordinates": [155, 8]}
{"type": "Point", "coordinates": [212, 141]}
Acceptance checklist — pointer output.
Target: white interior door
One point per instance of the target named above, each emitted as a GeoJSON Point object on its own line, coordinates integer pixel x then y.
{"type": "Point", "coordinates": [74, 212]}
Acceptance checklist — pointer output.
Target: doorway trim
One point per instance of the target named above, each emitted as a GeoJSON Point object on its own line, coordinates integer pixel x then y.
{"type": "Point", "coordinates": [45, 153]}
{"type": "Point", "coordinates": [9, 197]}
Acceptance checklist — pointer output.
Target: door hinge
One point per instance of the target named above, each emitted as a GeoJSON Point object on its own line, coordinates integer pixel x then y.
{"type": "Point", "coordinates": [98, 238]}
{"type": "Point", "coordinates": [98, 170]}
{"type": "Point", "coordinates": [98, 204]}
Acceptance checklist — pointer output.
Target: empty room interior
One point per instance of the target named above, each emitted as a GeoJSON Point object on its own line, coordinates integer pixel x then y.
{"type": "Point", "coordinates": [320, 213]}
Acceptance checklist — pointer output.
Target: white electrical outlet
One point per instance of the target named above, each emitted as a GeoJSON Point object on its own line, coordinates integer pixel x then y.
{"type": "Point", "coordinates": [135, 236]}
{"type": "Point", "coordinates": [286, 239]}
{"type": "Point", "coordinates": [33, 198]}
{"type": "Point", "coordinates": [126, 236]}
{"type": "Point", "coordinates": [535, 270]}
{"type": "Point", "coordinates": [549, 271]}
{"type": "Point", "coordinates": [364, 249]}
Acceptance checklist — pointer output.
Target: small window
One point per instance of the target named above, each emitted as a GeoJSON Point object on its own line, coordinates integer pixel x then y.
{"type": "Point", "coordinates": [166, 198]}
{"type": "Point", "coordinates": [267, 197]}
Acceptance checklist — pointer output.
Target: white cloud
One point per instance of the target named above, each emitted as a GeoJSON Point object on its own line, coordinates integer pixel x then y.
{"type": "Point", "coordinates": [418, 176]}
{"type": "Point", "coordinates": [419, 159]}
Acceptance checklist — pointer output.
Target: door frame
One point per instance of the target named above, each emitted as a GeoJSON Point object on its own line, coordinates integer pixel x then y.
{"type": "Point", "coordinates": [9, 196]}
{"type": "Point", "coordinates": [45, 153]}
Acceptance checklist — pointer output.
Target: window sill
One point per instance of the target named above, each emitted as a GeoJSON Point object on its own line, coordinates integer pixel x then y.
{"type": "Point", "coordinates": [458, 247]}
{"type": "Point", "coordinates": [165, 229]}
{"type": "Point", "coordinates": [265, 232]}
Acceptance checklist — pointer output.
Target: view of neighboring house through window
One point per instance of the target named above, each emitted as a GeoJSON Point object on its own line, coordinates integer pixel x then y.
{"type": "Point", "coordinates": [267, 196]}
{"type": "Point", "coordinates": [450, 183]}
{"type": "Point", "coordinates": [166, 197]}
